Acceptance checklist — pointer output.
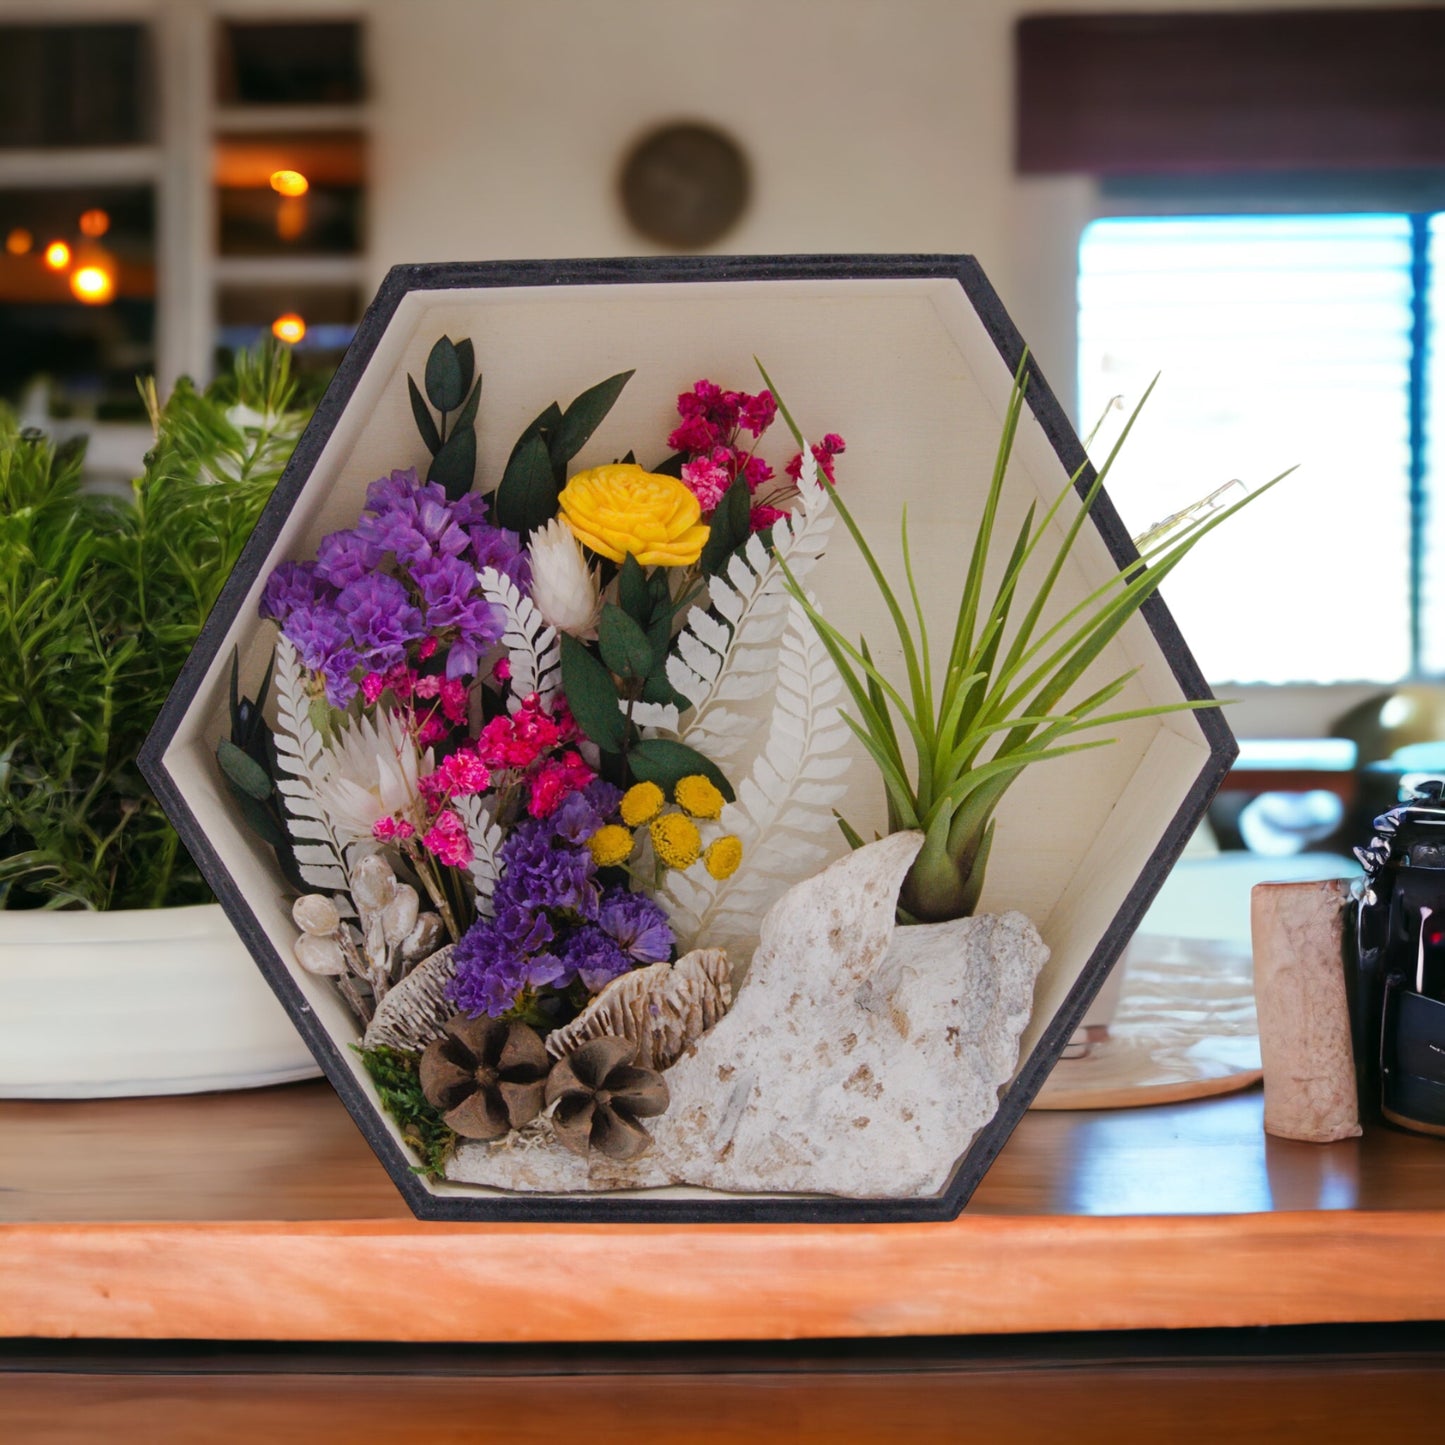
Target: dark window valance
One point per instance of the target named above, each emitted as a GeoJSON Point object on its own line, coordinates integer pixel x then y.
{"type": "Point", "coordinates": [1260, 90]}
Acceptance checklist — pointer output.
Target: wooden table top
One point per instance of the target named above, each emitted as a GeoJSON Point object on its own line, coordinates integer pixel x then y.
{"type": "Point", "coordinates": [264, 1216]}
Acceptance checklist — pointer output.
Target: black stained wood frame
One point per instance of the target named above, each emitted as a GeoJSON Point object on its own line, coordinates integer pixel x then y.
{"type": "Point", "coordinates": [643, 1206]}
{"type": "Point", "coordinates": [1273, 90]}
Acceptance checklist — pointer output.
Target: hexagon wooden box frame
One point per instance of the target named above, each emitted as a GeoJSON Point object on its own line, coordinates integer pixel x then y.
{"type": "Point", "coordinates": [911, 358]}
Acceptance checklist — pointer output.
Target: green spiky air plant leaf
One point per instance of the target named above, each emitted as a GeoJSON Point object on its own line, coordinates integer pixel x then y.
{"type": "Point", "coordinates": [1002, 702]}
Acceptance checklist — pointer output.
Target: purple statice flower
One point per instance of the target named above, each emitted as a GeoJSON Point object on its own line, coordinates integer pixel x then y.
{"type": "Point", "coordinates": [318, 632]}
{"type": "Point", "coordinates": [471, 510]}
{"type": "Point", "coordinates": [344, 558]}
{"type": "Point", "coordinates": [338, 671]}
{"type": "Point", "coordinates": [525, 929]}
{"type": "Point", "coordinates": [478, 625]}
{"type": "Point", "coordinates": [576, 818]}
{"type": "Point", "coordinates": [493, 968]}
{"type": "Point", "coordinates": [497, 547]}
{"type": "Point", "coordinates": [413, 521]}
{"type": "Point", "coordinates": [594, 957]}
{"type": "Point", "coordinates": [381, 619]}
{"type": "Point", "coordinates": [290, 586]}
{"type": "Point", "coordinates": [537, 873]}
{"type": "Point", "coordinates": [636, 924]}
{"type": "Point", "coordinates": [447, 585]}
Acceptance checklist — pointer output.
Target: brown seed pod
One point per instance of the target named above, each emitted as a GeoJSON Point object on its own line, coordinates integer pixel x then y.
{"type": "Point", "coordinates": [600, 1096]}
{"type": "Point", "coordinates": [487, 1076]}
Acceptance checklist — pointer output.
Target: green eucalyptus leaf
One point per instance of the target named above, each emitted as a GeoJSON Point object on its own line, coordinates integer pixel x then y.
{"type": "Point", "coordinates": [467, 361]}
{"type": "Point", "coordinates": [659, 690]}
{"type": "Point", "coordinates": [633, 592]}
{"type": "Point", "coordinates": [592, 696]}
{"type": "Point", "coordinates": [244, 771]}
{"type": "Point", "coordinates": [444, 386]}
{"type": "Point", "coordinates": [624, 645]}
{"type": "Point", "coordinates": [422, 413]}
{"type": "Point", "coordinates": [729, 527]}
{"type": "Point", "coordinates": [664, 762]}
{"type": "Point", "coordinates": [467, 416]}
{"type": "Point", "coordinates": [585, 415]}
{"type": "Point", "coordinates": [527, 495]}
{"type": "Point", "coordinates": [455, 466]}
{"type": "Point", "coordinates": [259, 819]}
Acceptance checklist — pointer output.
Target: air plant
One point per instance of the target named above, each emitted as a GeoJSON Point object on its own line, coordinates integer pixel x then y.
{"type": "Point", "coordinates": [1000, 704]}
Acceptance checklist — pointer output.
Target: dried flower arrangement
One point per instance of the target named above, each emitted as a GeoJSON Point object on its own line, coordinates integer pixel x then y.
{"type": "Point", "coordinates": [497, 775]}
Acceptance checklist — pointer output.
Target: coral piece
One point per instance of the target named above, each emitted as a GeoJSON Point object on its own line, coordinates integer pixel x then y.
{"type": "Point", "coordinates": [600, 1095]}
{"type": "Point", "coordinates": [415, 1012]}
{"type": "Point", "coordinates": [859, 1058]}
{"type": "Point", "coordinates": [486, 1076]}
{"type": "Point", "coordinates": [662, 1009]}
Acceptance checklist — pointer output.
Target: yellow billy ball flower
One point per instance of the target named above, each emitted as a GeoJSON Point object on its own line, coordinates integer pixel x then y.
{"type": "Point", "coordinates": [696, 795]}
{"type": "Point", "coordinates": [675, 840]}
{"type": "Point", "coordinates": [610, 845]}
{"type": "Point", "coordinates": [621, 509]}
{"type": "Point", "coordinates": [641, 803]}
{"type": "Point", "coordinates": [723, 856]}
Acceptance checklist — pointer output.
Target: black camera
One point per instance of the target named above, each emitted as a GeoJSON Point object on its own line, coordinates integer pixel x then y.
{"type": "Point", "coordinates": [1397, 991]}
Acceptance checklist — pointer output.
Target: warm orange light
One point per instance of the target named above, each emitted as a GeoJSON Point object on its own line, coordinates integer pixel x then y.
{"type": "Point", "coordinates": [291, 217]}
{"type": "Point", "coordinates": [19, 241]}
{"type": "Point", "coordinates": [94, 223]}
{"type": "Point", "coordinates": [57, 255]}
{"type": "Point", "coordinates": [290, 328]}
{"type": "Point", "coordinates": [289, 183]}
{"type": "Point", "coordinates": [92, 284]}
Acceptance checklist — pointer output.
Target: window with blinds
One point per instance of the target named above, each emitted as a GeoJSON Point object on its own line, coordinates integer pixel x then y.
{"type": "Point", "coordinates": [1280, 341]}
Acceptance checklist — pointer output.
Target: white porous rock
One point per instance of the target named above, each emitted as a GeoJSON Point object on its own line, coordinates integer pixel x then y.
{"type": "Point", "coordinates": [859, 1059]}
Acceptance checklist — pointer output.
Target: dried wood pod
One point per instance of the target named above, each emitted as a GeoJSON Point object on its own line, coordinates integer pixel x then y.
{"type": "Point", "coordinates": [662, 1009]}
{"type": "Point", "coordinates": [412, 1014]}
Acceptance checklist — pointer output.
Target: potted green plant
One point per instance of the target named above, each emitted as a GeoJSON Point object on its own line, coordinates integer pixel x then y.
{"type": "Point", "coordinates": [118, 973]}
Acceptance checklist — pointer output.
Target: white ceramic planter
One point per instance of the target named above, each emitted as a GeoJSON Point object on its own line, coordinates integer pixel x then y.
{"type": "Point", "coordinates": [144, 1001]}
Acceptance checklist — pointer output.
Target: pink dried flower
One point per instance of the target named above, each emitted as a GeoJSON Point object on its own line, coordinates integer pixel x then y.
{"type": "Point", "coordinates": [824, 451]}
{"type": "Point", "coordinates": [402, 681]}
{"type": "Point", "coordinates": [431, 732]}
{"type": "Point", "coordinates": [447, 840]}
{"type": "Point", "coordinates": [696, 434]}
{"type": "Point", "coordinates": [459, 776]}
{"type": "Point", "coordinates": [454, 700]}
{"type": "Point", "coordinates": [762, 517]}
{"type": "Point", "coordinates": [392, 830]}
{"type": "Point", "coordinates": [502, 669]}
{"type": "Point", "coordinates": [427, 649]}
{"type": "Point", "coordinates": [707, 481]}
{"type": "Point", "coordinates": [372, 687]}
{"type": "Point", "coordinates": [429, 686]}
{"type": "Point", "coordinates": [757, 472]}
{"type": "Point", "coordinates": [758, 412]}
{"type": "Point", "coordinates": [556, 780]}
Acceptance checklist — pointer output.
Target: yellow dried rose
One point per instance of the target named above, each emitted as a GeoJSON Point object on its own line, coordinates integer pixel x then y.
{"type": "Point", "coordinates": [621, 509]}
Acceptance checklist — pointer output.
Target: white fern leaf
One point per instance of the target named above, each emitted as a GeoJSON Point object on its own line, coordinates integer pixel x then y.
{"type": "Point", "coordinates": [660, 717]}
{"type": "Point", "coordinates": [301, 754]}
{"type": "Point", "coordinates": [783, 806]}
{"type": "Point", "coordinates": [533, 648]}
{"type": "Point", "coordinates": [486, 837]}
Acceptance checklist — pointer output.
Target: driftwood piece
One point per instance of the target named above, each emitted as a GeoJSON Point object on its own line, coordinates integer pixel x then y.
{"type": "Point", "coordinates": [1304, 1022]}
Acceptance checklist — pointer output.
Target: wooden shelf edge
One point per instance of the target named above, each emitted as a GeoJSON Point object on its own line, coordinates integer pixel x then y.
{"type": "Point", "coordinates": [402, 1281]}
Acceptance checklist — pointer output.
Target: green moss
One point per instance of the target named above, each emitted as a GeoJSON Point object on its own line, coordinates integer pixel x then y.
{"type": "Point", "coordinates": [395, 1075]}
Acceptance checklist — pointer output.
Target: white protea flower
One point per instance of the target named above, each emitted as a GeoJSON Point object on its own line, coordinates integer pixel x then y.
{"type": "Point", "coordinates": [374, 767]}
{"type": "Point", "coordinates": [564, 587]}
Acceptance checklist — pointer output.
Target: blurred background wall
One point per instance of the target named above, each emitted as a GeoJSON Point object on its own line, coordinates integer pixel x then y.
{"type": "Point", "coordinates": [219, 169]}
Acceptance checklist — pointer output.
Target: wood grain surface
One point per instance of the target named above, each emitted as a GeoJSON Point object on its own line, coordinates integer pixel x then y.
{"type": "Point", "coordinates": [263, 1216]}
